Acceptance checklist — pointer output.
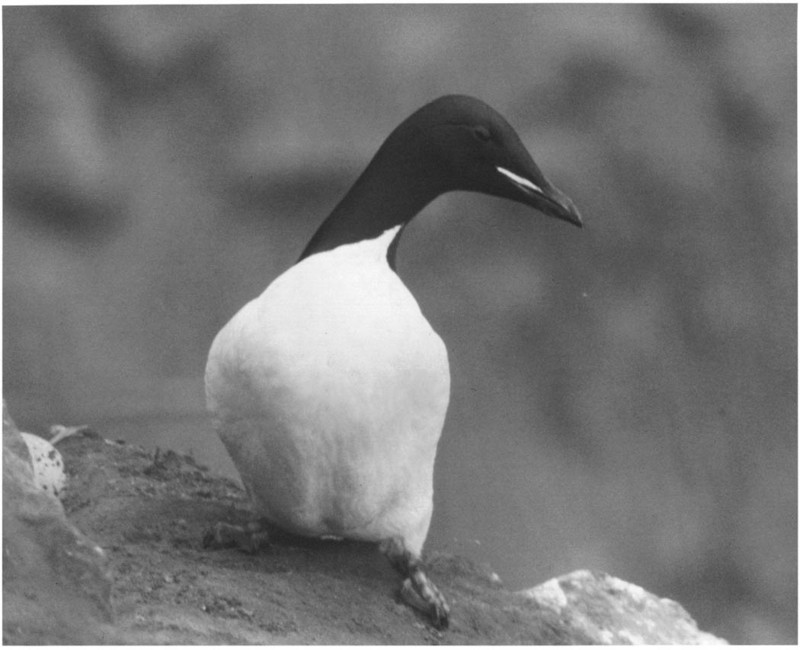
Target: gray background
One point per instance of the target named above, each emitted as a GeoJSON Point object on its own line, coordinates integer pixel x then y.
{"type": "Point", "coordinates": [624, 397]}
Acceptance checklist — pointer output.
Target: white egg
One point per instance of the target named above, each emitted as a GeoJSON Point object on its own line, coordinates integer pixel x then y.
{"type": "Point", "coordinates": [48, 465]}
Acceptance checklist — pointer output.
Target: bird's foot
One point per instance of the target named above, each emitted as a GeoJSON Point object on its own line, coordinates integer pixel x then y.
{"type": "Point", "coordinates": [421, 594]}
{"type": "Point", "coordinates": [418, 590]}
{"type": "Point", "coordinates": [249, 538]}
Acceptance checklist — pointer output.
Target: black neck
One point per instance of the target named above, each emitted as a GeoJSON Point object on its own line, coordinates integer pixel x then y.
{"type": "Point", "coordinates": [390, 192]}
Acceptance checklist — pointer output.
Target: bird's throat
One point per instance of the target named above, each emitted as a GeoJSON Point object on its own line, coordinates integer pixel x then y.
{"type": "Point", "coordinates": [390, 192]}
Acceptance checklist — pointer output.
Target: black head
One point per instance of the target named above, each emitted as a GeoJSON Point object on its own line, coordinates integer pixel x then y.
{"type": "Point", "coordinates": [453, 143]}
{"type": "Point", "coordinates": [476, 150]}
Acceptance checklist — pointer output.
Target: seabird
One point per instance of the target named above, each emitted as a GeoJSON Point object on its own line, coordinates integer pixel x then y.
{"type": "Point", "coordinates": [330, 389]}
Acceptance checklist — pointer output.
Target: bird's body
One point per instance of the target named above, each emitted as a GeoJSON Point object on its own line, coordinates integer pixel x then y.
{"type": "Point", "coordinates": [330, 389]}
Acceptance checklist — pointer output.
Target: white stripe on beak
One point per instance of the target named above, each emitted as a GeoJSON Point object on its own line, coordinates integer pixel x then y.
{"type": "Point", "coordinates": [519, 180]}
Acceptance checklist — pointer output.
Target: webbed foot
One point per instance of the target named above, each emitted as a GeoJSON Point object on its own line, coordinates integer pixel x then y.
{"type": "Point", "coordinates": [418, 590]}
{"type": "Point", "coordinates": [249, 538]}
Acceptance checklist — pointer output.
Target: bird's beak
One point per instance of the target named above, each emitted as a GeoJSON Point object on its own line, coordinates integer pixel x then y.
{"type": "Point", "coordinates": [549, 200]}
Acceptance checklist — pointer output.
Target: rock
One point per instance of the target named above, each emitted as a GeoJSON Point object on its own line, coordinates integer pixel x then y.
{"type": "Point", "coordinates": [47, 464]}
{"type": "Point", "coordinates": [611, 611]}
{"type": "Point", "coordinates": [56, 586]}
{"type": "Point", "coordinates": [149, 510]}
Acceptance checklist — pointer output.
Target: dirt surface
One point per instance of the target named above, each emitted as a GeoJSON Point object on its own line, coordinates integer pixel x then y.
{"type": "Point", "coordinates": [150, 511]}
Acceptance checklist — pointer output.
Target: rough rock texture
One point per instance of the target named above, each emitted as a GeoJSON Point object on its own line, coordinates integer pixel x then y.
{"type": "Point", "coordinates": [56, 587]}
{"type": "Point", "coordinates": [611, 611]}
{"type": "Point", "coordinates": [149, 512]}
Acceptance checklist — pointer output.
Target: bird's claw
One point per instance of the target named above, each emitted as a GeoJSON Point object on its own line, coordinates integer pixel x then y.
{"type": "Point", "coordinates": [428, 600]}
{"type": "Point", "coordinates": [418, 590]}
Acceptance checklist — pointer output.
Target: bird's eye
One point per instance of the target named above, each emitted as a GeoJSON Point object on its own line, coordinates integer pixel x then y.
{"type": "Point", "coordinates": [482, 133]}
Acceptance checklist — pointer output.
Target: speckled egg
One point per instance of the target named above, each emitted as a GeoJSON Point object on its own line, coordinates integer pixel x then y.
{"type": "Point", "coordinates": [48, 465]}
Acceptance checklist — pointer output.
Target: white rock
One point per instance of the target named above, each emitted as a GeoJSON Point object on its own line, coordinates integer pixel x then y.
{"type": "Point", "coordinates": [48, 465]}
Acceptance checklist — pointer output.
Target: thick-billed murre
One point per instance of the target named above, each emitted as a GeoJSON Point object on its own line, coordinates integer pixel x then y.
{"type": "Point", "coordinates": [330, 389]}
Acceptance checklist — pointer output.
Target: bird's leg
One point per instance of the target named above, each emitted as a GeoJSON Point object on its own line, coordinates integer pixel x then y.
{"type": "Point", "coordinates": [250, 538]}
{"type": "Point", "coordinates": [417, 590]}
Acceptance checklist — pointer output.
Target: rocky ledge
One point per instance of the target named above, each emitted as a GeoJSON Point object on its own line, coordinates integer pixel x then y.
{"type": "Point", "coordinates": [120, 560]}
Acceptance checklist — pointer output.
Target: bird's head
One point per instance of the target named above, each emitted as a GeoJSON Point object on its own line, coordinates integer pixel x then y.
{"type": "Point", "coordinates": [477, 150]}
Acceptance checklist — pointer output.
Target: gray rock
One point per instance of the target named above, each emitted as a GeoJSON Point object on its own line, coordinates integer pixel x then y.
{"type": "Point", "coordinates": [150, 510]}
{"type": "Point", "coordinates": [55, 579]}
{"type": "Point", "coordinates": [610, 611]}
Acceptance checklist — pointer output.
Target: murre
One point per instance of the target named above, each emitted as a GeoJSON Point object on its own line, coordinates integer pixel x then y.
{"type": "Point", "coordinates": [330, 389]}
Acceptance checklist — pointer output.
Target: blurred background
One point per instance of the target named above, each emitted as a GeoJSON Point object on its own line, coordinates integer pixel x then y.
{"type": "Point", "coordinates": [624, 397]}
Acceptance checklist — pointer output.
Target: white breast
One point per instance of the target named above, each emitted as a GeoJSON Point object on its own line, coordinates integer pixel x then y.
{"type": "Point", "coordinates": [330, 392]}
